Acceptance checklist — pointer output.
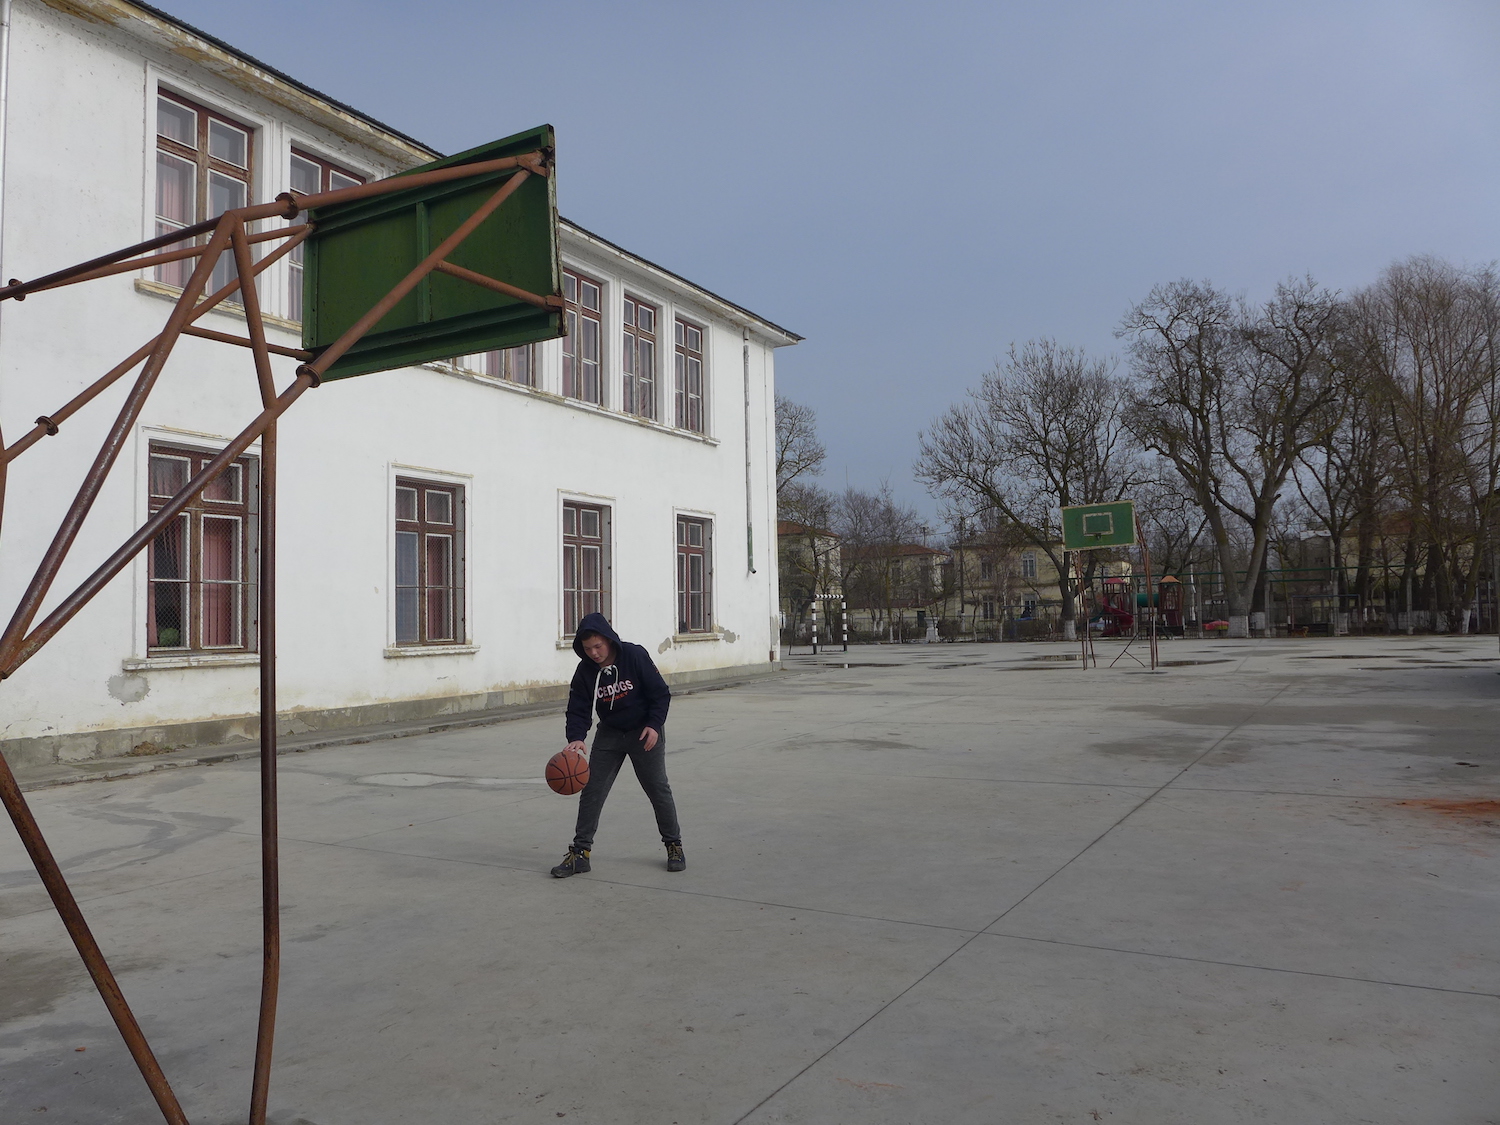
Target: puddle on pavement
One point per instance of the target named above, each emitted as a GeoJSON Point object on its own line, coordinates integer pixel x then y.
{"type": "Point", "coordinates": [1190, 663]}
{"type": "Point", "coordinates": [859, 666]}
{"type": "Point", "coordinates": [1059, 656]}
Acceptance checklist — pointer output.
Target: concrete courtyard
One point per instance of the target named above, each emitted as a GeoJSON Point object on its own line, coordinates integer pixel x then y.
{"type": "Point", "coordinates": [939, 884]}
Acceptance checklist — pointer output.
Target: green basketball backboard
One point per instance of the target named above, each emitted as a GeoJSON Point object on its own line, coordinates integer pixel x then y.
{"type": "Point", "coordinates": [361, 249]}
{"type": "Point", "coordinates": [1087, 526]}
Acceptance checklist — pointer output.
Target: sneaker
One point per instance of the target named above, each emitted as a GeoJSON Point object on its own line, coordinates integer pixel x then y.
{"type": "Point", "coordinates": [676, 861]}
{"type": "Point", "coordinates": [574, 863]}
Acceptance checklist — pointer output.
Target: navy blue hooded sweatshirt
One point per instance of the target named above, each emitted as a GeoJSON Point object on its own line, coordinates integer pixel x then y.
{"type": "Point", "coordinates": [628, 694]}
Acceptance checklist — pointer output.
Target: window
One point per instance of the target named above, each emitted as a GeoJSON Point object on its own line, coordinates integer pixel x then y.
{"type": "Point", "coordinates": [694, 575]}
{"type": "Point", "coordinates": [198, 597]}
{"type": "Point", "coordinates": [581, 346]}
{"type": "Point", "coordinates": [989, 609]}
{"type": "Point", "coordinates": [310, 175]}
{"type": "Point", "coordinates": [986, 570]}
{"type": "Point", "coordinates": [429, 563]}
{"type": "Point", "coordinates": [689, 376]}
{"type": "Point", "coordinates": [202, 170]}
{"type": "Point", "coordinates": [1028, 565]}
{"type": "Point", "coordinates": [638, 351]}
{"type": "Point", "coordinates": [514, 365]}
{"type": "Point", "coordinates": [586, 569]}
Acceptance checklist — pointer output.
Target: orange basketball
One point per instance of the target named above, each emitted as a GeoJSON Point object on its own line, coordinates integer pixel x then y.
{"type": "Point", "coordinates": [567, 772]}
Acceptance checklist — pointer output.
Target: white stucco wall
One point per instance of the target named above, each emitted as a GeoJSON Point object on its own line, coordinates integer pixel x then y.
{"type": "Point", "coordinates": [78, 183]}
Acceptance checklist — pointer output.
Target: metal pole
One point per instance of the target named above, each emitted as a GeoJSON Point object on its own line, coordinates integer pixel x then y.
{"type": "Point", "coordinates": [1408, 602]}
{"type": "Point", "coordinates": [88, 949]}
{"type": "Point", "coordinates": [844, 617]}
{"type": "Point", "coordinates": [815, 624]}
{"type": "Point", "coordinates": [270, 860]}
{"type": "Point", "coordinates": [1146, 563]}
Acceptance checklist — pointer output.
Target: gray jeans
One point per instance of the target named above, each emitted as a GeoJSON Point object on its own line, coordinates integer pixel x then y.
{"type": "Point", "coordinates": [611, 748]}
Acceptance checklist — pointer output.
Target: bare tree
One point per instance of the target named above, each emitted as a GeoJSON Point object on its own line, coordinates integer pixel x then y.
{"type": "Point", "coordinates": [798, 450]}
{"type": "Point", "coordinates": [873, 529]}
{"type": "Point", "coordinates": [809, 550]}
{"type": "Point", "coordinates": [1042, 431]}
{"type": "Point", "coordinates": [1346, 480]}
{"type": "Point", "coordinates": [1232, 397]}
{"type": "Point", "coordinates": [1430, 340]}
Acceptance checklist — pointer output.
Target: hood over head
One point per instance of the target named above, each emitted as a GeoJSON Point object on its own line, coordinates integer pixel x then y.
{"type": "Point", "coordinates": [595, 623]}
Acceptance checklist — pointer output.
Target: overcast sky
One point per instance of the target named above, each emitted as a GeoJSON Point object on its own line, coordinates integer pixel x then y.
{"type": "Point", "coordinates": [913, 187]}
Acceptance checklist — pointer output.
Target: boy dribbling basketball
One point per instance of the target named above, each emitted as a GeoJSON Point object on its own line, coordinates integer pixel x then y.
{"type": "Point", "coordinates": [618, 682]}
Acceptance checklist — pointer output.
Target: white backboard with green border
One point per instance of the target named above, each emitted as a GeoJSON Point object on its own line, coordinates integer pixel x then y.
{"type": "Point", "coordinates": [1089, 526]}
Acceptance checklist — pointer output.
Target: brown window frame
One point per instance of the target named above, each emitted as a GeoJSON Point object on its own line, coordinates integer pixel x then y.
{"type": "Point", "coordinates": [687, 387]}
{"type": "Point", "coordinates": [205, 166]}
{"type": "Point", "coordinates": [235, 496]}
{"type": "Point", "coordinates": [687, 552]}
{"type": "Point", "coordinates": [327, 171]}
{"type": "Point", "coordinates": [576, 594]}
{"type": "Point", "coordinates": [577, 382]}
{"type": "Point", "coordinates": [638, 352]}
{"type": "Point", "coordinates": [514, 365]}
{"type": "Point", "coordinates": [413, 570]}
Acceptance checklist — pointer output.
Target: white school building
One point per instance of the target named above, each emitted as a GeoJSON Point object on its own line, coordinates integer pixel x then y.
{"type": "Point", "coordinates": [441, 529]}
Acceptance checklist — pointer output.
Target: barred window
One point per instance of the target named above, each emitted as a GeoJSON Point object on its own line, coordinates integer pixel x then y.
{"type": "Point", "coordinates": [694, 575]}
{"type": "Point", "coordinates": [198, 592]}
{"type": "Point", "coordinates": [429, 563]}
{"type": "Point", "coordinates": [586, 563]}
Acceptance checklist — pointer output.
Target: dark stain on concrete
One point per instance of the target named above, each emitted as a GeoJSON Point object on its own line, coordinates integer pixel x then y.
{"type": "Point", "coordinates": [1479, 812]}
{"type": "Point", "coordinates": [35, 981]}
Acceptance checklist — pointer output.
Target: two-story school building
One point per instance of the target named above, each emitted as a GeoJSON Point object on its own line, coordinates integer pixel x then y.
{"type": "Point", "coordinates": [441, 529]}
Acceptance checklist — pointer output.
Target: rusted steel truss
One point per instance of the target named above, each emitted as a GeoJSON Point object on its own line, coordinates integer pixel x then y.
{"type": "Point", "coordinates": [21, 638]}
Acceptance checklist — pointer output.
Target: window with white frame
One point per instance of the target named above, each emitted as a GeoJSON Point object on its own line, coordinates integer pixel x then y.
{"type": "Point", "coordinates": [638, 357]}
{"type": "Point", "coordinates": [585, 562]}
{"type": "Point", "coordinates": [1028, 565]}
{"type": "Point", "coordinates": [694, 574]}
{"type": "Point", "coordinates": [429, 563]}
{"type": "Point", "coordinates": [688, 376]}
{"type": "Point", "coordinates": [310, 175]}
{"type": "Point", "coordinates": [203, 168]}
{"type": "Point", "coordinates": [198, 592]}
{"type": "Point", "coordinates": [514, 365]}
{"type": "Point", "coordinates": [583, 345]}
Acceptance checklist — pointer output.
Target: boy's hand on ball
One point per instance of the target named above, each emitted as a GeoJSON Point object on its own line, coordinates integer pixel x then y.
{"type": "Point", "coordinates": [578, 746]}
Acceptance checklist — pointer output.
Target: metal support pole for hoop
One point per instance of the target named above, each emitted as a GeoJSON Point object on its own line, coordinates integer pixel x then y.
{"type": "Point", "coordinates": [21, 638]}
{"type": "Point", "coordinates": [815, 624]}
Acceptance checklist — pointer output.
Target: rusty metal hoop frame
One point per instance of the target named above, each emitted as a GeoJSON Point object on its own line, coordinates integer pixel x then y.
{"type": "Point", "coordinates": [20, 641]}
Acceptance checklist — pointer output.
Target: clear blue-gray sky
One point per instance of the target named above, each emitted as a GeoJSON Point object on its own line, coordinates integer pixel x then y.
{"type": "Point", "coordinates": [913, 187]}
